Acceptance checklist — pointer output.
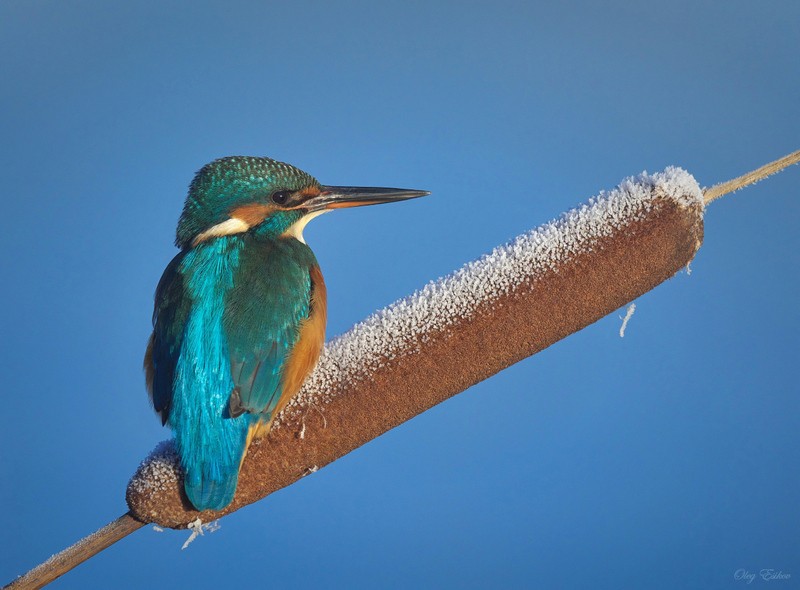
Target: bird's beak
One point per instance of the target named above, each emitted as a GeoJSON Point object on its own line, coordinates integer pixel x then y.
{"type": "Point", "coordinates": [338, 197]}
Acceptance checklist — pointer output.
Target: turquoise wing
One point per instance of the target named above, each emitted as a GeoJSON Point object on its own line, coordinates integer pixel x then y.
{"type": "Point", "coordinates": [263, 313]}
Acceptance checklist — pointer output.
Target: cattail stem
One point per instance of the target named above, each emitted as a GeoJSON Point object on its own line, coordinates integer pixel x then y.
{"type": "Point", "coordinates": [723, 188]}
{"type": "Point", "coordinates": [76, 554]}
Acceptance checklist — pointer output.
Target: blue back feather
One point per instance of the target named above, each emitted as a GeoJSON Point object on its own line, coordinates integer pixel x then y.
{"type": "Point", "coordinates": [209, 442]}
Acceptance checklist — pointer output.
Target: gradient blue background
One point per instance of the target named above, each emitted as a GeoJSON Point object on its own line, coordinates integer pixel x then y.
{"type": "Point", "coordinates": [665, 459]}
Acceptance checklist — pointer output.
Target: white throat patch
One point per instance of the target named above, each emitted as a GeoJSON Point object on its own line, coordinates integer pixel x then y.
{"type": "Point", "coordinates": [296, 229]}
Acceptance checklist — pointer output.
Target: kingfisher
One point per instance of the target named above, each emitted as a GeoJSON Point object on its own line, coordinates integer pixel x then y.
{"type": "Point", "coordinates": [240, 312]}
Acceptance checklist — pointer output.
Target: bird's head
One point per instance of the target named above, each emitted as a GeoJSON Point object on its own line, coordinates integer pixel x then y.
{"type": "Point", "coordinates": [239, 194]}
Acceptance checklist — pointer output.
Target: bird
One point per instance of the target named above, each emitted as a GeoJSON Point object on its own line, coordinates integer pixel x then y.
{"type": "Point", "coordinates": [240, 312]}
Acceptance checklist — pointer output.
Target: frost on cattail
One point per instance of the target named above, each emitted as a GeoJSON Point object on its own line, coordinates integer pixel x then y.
{"type": "Point", "coordinates": [198, 529]}
{"type": "Point", "coordinates": [404, 325]}
{"type": "Point", "coordinates": [626, 319]}
{"type": "Point", "coordinates": [159, 471]}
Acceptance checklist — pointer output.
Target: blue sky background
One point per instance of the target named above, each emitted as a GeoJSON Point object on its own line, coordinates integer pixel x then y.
{"type": "Point", "coordinates": [665, 459]}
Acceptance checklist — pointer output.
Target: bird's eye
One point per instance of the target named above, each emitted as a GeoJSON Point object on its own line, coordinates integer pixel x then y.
{"type": "Point", "coordinates": [280, 197]}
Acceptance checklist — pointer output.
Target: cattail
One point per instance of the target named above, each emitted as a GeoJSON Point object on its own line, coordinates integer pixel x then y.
{"type": "Point", "coordinates": [419, 351]}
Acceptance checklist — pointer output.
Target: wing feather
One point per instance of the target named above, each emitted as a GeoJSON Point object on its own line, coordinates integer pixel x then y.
{"type": "Point", "coordinates": [169, 319]}
{"type": "Point", "coordinates": [263, 314]}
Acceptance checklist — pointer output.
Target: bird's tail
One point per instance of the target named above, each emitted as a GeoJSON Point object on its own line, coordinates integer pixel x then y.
{"type": "Point", "coordinates": [211, 486]}
{"type": "Point", "coordinates": [212, 475]}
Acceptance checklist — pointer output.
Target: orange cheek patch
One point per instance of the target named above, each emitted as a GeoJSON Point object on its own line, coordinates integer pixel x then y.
{"type": "Point", "coordinates": [252, 214]}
